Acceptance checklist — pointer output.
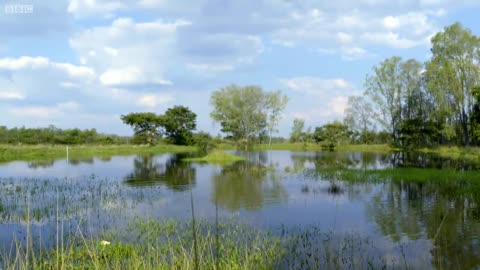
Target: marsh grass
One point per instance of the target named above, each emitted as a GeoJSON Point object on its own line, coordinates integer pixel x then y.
{"type": "Point", "coordinates": [217, 156]}
{"type": "Point", "coordinates": [189, 244]}
{"type": "Point", "coordinates": [42, 152]}
{"type": "Point", "coordinates": [150, 244]}
{"type": "Point", "coordinates": [156, 245]}
{"type": "Point", "coordinates": [398, 174]}
{"type": "Point", "coordinates": [455, 152]}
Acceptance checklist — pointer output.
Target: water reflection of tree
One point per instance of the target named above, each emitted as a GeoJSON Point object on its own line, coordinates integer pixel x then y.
{"type": "Point", "coordinates": [338, 160]}
{"type": "Point", "coordinates": [40, 164]}
{"type": "Point", "coordinates": [445, 212]}
{"type": "Point", "coordinates": [174, 173]}
{"type": "Point", "coordinates": [75, 162]}
{"type": "Point", "coordinates": [246, 185]}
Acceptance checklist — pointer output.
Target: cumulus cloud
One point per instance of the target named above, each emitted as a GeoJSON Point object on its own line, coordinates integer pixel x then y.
{"type": "Point", "coordinates": [319, 100]}
{"type": "Point", "coordinates": [38, 91]}
{"type": "Point", "coordinates": [128, 53]}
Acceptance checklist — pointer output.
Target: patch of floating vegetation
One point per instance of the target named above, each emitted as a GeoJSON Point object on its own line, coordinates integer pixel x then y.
{"type": "Point", "coordinates": [217, 156]}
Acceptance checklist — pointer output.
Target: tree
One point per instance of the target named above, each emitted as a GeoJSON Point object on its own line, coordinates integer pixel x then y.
{"type": "Point", "coordinates": [297, 130]}
{"type": "Point", "coordinates": [276, 103]}
{"type": "Point", "coordinates": [332, 134]}
{"type": "Point", "coordinates": [204, 141]}
{"type": "Point", "coordinates": [390, 87]}
{"type": "Point", "coordinates": [453, 72]}
{"type": "Point", "coordinates": [179, 122]}
{"type": "Point", "coordinates": [242, 112]}
{"type": "Point", "coordinates": [384, 89]}
{"type": "Point", "coordinates": [359, 116]}
{"type": "Point", "coordinates": [146, 125]}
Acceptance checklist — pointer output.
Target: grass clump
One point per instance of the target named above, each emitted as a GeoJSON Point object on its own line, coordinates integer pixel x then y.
{"type": "Point", "coordinates": [158, 245]}
{"type": "Point", "coordinates": [216, 156]}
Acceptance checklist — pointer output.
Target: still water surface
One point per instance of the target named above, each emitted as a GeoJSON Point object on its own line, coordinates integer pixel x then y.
{"type": "Point", "coordinates": [407, 207]}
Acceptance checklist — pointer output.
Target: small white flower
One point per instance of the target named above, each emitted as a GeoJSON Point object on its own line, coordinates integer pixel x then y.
{"type": "Point", "coordinates": [104, 243]}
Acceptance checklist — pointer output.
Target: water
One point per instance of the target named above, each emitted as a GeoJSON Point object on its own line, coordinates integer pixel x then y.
{"type": "Point", "coordinates": [402, 203]}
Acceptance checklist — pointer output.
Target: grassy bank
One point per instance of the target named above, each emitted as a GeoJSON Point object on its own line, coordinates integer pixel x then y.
{"type": "Point", "coordinates": [217, 156]}
{"type": "Point", "coordinates": [398, 174]}
{"type": "Point", "coordinates": [41, 152]}
{"type": "Point", "coordinates": [456, 152]}
{"type": "Point", "coordinates": [317, 147]}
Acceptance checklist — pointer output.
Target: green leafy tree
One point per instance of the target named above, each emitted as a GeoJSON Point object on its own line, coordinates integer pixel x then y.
{"type": "Point", "coordinates": [276, 103]}
{"type": "Point", "coordinates": [179, 123]}
{"type": "Point", "coordinates": [359, 117]}
{"type": "Point", "coordinates": [332, 134]}
{"type": "Point", "coordinates": [385, 90]}
{"type": "Point", "coordinates": [389, 87]}
{"type": "Point", "coordinates": [242, 112]}
{"type": "Point", "coordinates": [453, 72]}
{"type": "Point", "coordinates": [297, 130]}
{"type": "Point", "coordinates": [145, 125]}
{"type": "Point", "coordinates": [204, 141]}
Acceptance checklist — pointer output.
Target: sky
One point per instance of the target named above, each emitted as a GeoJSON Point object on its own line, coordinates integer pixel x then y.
{"type": "Point", "coordinates": [83, 63]}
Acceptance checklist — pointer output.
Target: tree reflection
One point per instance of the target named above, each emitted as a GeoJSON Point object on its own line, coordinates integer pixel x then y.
{"type": "Point", "coordinates": [246, 185]}
{"type": "Point", "coordinates": [174, 173]}
{"type": "Point", "coordinates": [40, 164]}
{"type": "Point", "coordinates": [445, 212]}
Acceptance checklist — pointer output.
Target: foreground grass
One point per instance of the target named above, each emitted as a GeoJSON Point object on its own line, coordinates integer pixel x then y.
{"type": "Point", "coordinates": [217, 156]}
{"type": "Point", "coordinates": [201, 245]}
{"type": "Point", "coordinates": [156, 245]}
{"type": "Point", "coordinates": [41, 152]}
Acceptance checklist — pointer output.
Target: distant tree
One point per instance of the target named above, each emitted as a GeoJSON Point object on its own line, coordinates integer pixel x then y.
{"type": "Point", "coordinates": [332, 134]}
{"type": "Point", "coordinates": [359, 117]}
{"type": "Point", "coordinates": [145, 125]}
{"type": "Point", "coordinates": [179, 123]}
{"type": "Point", "coordinates": [276, 103]}
{"type": "Point", "coordinates": [297, 130]}
{"type": "Point", "coordinates": [243, 112]}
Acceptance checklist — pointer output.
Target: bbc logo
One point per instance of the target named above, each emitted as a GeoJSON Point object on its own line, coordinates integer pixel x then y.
{"type": "Point", "coordinates": [18, 9]}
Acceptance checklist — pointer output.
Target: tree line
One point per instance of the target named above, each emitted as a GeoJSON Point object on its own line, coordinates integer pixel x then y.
{"type": "Point", "coordinates": [424, 104]}
{"type": "Point", "coordinates": [407, 103]}
{"type": "Point", "coordinates": [54, 135]}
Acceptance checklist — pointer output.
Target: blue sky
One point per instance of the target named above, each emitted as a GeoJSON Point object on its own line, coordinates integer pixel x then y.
{"type": "Point", "coordinates": [83, 63]}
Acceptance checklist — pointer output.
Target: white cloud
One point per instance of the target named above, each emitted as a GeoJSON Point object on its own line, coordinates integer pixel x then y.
{"type": "Point", "coordinates": [55, 111]}
{"type": "Point", "coordinates": [27, 62]}
{"type": "Point", "coordinates": [23, 62]}
{"type": "Point", "coordinates": [129, 76]}
{"type": "Point", "coordinates": [153, 100]}
{"type": "Point", "coordinates": [128, 52]}
{"type": "Point", "coordinates": [11, 95]}
{"type": "Point", "coordinates": [344, 37]}
{"type": "Point", "coordinates": [319, 100]}
{"type": "Point", "coordinates": [318, 87]}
